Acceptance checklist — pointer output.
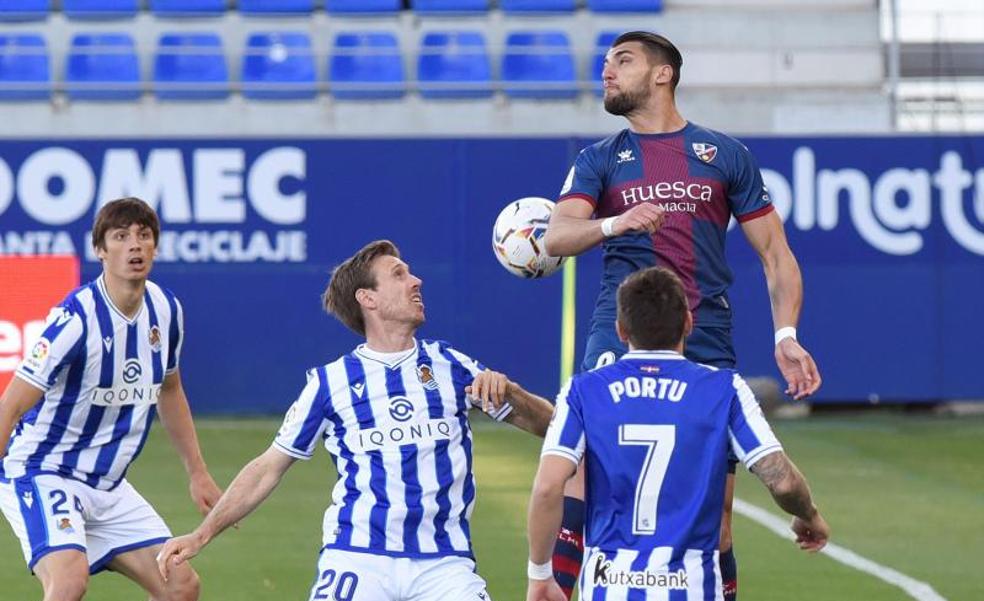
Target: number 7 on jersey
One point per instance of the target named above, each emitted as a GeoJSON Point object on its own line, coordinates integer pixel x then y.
{"type": "Point", "coordinates": [660, 441]}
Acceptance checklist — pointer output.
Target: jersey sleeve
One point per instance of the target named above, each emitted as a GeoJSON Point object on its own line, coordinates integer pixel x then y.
{"type": "Point", "coordinates": [59, 345]}
{"type": "Point", "coordinates": [305, 421]}
{"type": "Point", "coordinates": [747, 193]}
{"type": "Point", "coordinates": [584, 180]}
{"type": "Point", "coordinates": [750, 433]}
{"type": "Point", "coordinates": [472, 368]}
{"type": "Point", "coordinates": [565, 436]}
{"type": "Point", "coordinates": [175, 337]}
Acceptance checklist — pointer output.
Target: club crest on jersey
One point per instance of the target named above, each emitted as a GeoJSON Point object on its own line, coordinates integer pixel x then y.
{"type": "Point", "coordinates": [154, 337]}
{"type": "Point", "coordinates": [624, 156]}
{"type": "Point", "coordinates": [705, 152]}
{"type": "Point", "coordinates": [65, 525]}
{"type": "Point", "coordinates": [426, 376]}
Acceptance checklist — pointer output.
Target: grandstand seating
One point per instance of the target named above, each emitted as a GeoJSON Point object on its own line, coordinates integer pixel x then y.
{"type": "Point", "coordinates": [363, 6]}
{"type": "Point", "coordinates": [279, 65]}
{"type": "Point", "coordinates": [275, 7]}
{"type": "Point", "coordinates": [449, 6]}
{"type": "Point", "coordinates": [102, 66]}
{"type": "Point", "coordinates": [641, 6]}
{"type": "Point", "coordinates": [454, 65]}
{"type": "Point", "coordinates": [366, 65]}
{"type": "Point", "coordinates": [190, 66]}
{"type": "Point", "coordinates": [24, 10]}
{"type": "Point", "coordinates": [24, 70]}
{"type": "Point", "coordinates": [539, 64]}
{"type": "Point", "coordinates": [516, 6]}
{"type": "Point", "coordinates": [188, 8]}
{"type": "Point", "coordinates": [100, 9]}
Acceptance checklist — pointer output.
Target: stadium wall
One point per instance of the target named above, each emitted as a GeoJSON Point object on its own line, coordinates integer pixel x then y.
{"type": "Point", "coordinates": [889, 232]}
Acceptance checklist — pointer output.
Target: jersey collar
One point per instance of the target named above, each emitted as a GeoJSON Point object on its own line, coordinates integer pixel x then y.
{"type": "Point", "coordinates": [640, 354]}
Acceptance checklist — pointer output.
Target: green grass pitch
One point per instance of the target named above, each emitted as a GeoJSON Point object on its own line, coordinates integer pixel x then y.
{"type": "Point", "coordinates": [907, 492]}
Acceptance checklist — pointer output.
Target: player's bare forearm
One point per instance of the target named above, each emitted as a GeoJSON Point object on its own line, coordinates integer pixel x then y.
{"type": "Point", "coordinates": [547, 506]}
{"type": "Point", "coordinates": [530, 412]}
{"type": "Point", "coordinates": [786, 484]}
{"type": "Point", "coordinates": [18, 397]}
{"type": "Point", "coordinates": [176, 418]}
{"type": "Point", "coordinates": [785, 282]}
{"type": "Point", "coordinates": [569, 235]}
{"type": "Point", "coordinates": [248, 490]}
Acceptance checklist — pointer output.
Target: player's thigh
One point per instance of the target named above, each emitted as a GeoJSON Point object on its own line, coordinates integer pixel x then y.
{"type": "Point", "coordinates": [348, 576]}
{"type": "Point", "coordinates": [140, 566]}
{"type": "Point", "coordinates": [729, 498]}
{"type": "Point", "coordinates": [445, 579]}
{"type": "Point", "coordinates": [45, 512]}
{"type": "Point", "coordinates": [121, 521]}
{"type": "Point", "coordinates": [603, 348]}
{"type": "Point", "coordinates": [64, 574]}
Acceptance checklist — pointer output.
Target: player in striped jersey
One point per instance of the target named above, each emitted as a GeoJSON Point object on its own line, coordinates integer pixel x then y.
{"type": "Point", "coordinates": [654, 429]}
{"type": "Point", "coordinates": [393, 414]}
{"type": "Point", "coordinates": [78, 412]}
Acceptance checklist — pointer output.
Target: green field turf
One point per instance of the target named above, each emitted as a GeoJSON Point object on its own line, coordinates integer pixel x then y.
{"type": "Point", "coordinates": [905, 492]}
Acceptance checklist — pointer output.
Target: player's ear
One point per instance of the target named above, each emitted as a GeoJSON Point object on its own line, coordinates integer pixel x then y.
{"type": "Point", "coordinates": [621, 332]}
{"type": "Point", "coordinates": [366, 298]}
{"type": "Point", "coordinates": [688, 325]}
{"type": "Point", "coordinates": [663, 74]}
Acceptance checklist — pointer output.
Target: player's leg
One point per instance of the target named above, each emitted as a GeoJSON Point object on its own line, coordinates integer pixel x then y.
{"type": "Point", "coordinates": [728, 563]}
{"type": "Point", "coordinates": [348, 576]}
{"type": "Point", "coordinates": [444, 579]}
{"type": "Point", "coordinates": [45, 513]}
{"type": "Point", "coordinates": [140, 566]}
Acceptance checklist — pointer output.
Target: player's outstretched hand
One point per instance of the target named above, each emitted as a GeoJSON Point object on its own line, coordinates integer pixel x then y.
{"type": "Point", "coordinates": [489, 387]}
{"type": "Point", "coordinates": [798, 368]}
{"type": "Point", "coordinates": [177, 551]}
{"type": "Point", "coordinates": [811, 535]}
{"type": "Point", "coordinates": [204, 492]}
{"type": "Point", "coordinates": [545, 590]}
{"type": "Point", "coordinates": [643, 217]}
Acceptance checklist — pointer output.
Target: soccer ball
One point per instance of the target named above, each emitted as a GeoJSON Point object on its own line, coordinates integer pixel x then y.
{"type": "Point", "coordinates": [517, 238]}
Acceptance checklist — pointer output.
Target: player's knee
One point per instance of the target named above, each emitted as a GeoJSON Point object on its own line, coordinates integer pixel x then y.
{"type": "Point", "coordinates": [183, 585]}
{"type": "Point", "coordinates": [67, 586]}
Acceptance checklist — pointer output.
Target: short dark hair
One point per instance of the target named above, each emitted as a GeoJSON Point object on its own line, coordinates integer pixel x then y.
{"type": "Point", "coordinates": [122, 213]}
{"type": "Point", "coordinates": [652, 309]}
{"type": "Point", "coordinates": [346, 279]}
{"type": "Point", "coordinates": [659, 48]}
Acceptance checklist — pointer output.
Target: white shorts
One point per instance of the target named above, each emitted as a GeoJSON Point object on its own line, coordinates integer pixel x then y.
{"type": "Point", "coordinates": [51, 513]}
{"type": "Point", "coordinates": [353, 576]}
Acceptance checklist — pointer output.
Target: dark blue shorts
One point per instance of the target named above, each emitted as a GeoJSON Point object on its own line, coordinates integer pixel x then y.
{"type": "Point", "coordinates": [708, 345]}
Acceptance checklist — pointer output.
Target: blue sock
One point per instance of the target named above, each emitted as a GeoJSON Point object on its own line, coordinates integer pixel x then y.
{"type": "Point", "coordinates": [729, 574]}
{"type": "Point", "coordinates": [569, 549]}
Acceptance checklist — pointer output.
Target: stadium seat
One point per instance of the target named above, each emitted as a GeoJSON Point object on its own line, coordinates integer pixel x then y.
{"type": "Point", "coordinates": [24, 10]}
{"type": "Point", "coordinates": [604, 42]}
{"type": "Point", "coordinates": [275, 7]}
{"type": "Point", "coordinates": [279, 66]}
{"type": "Point", "coordinates": [530, 6]}
{"type": "Point", "coordinates": [366, 65]}
{"type": "Point", "coordinates": [454, 65]}
{"type": "Point", "coordinates": [538, 64]}
{"type": "Point", "coordinates": [24, 70]}
{"type": "Point", "coordinates": [188, 8]}
{"type": "Point", "coordinates": [363, 6]}
{"type": "Point", "coordinates": [102, 67]}
{"type": "Point", "coordinates": [190, 66]}
{"type": "Point", "coordinates": [449, 6]}
{"type": "Point", "coordinates": [100, 9]}
{"type": "Point", "coordinates": [625, 6]}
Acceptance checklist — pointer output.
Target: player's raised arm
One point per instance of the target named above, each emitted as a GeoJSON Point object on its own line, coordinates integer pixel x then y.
{"type": "Point", "coordinates": [250, 488]}
{"type": "Point", "coordinates": [791, 492]}
{"type": "Point", "coordinates": [572, 230]}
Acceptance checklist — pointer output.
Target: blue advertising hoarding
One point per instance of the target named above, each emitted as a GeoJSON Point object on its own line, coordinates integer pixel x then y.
{"type": "Point", "coordinates": [889, 233]}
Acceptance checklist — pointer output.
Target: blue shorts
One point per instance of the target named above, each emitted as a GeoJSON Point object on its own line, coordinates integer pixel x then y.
{"type": "Point", "coordinates": [708, 345]}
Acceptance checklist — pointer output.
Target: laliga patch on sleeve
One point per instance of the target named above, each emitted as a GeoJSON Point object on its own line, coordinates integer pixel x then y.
{"type": "Point", "coordinates": [38, 357]}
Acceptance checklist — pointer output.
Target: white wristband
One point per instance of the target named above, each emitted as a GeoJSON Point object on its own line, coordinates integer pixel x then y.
{"type": "Point", "coordinates": [607, 227]}
{"type": "Point", "coordinates": [786, 332]}
{"type": "Point", "coordinates": [539, 571]}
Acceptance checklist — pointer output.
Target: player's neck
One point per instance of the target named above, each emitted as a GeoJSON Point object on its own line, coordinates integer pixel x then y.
{"type": "Point", "coordinates": [127, 295]}
{"type": "Point", "coordinates": [663, 119]}
{"type": "Point", "coordinates": [390, 340]}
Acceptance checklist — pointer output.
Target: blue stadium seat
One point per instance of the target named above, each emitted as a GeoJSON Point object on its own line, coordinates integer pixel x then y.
{"type": "Point", "coordinates": [366, 65]}
{"type": "Point", "coordinates": [24, 70]}
{"type": "Point", "coordinates": [454, 65]}
{"type": "Point", "coordinates": [188, 8]}
{"type": "Point", "coordinates": [538, 64]}
{"type": "Point", "coordinates": [102, 66]}
{"type": "Point", "coordinates": [275, 7]}
{"type": "Point", "coordinates": [100, 9]}
{"type": "Point", "coordinates": [604, 42]}
{"type": "Point", "coordinates": [449, 6]}
{"type": "Point", "coordinates": [279, 66]}
{"type": "Point", "coordinates": [363, 6]}
{"type": "Point", "coordinates": [625, 6]}
{"type": "Point", "coordinates": [24, 10]}
{"type": "Point", "coordinates": [190, 66]}
{"type": "Point", "coordinates": [542, 6]}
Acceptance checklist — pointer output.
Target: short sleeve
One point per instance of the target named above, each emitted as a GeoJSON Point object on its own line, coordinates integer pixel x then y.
{"type": "Point", "coordinates": [175, 336]}
{"type": "Point", "coordinates": [583, 180]}
{"type": "Point", "coordinates": [565, 435]}
{"type": "Point", "coordinates": [747, 194]}
{"type": "Point", "coordinates": [751, 436]}
{"type": "Point", "coordinates": [473, 368]}
{"type": "Point", "coordinates": [305, 421]}
{"type": "Point", "coordinates": [60, 343]}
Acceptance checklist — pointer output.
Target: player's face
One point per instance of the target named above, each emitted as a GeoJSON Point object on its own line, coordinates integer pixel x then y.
{"type": "Point", "coordinates": [627, 78]}
{"type": "Point", "coordinates": [397, 294]}
{"type": "Point", "coordinates": [129, 252]}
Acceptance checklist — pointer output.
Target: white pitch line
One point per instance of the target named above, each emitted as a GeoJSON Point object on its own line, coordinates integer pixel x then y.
{"type": "Point", "coordinates": [916, 589]}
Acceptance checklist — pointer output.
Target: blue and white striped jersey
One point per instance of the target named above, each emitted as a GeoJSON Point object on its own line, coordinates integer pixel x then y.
{"type": "Point", "coordinates": [102, 376]}
{"type": "Point", "coordinates": [398, 433]}
{"type": "Point", "coordinates": [654, 429]}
